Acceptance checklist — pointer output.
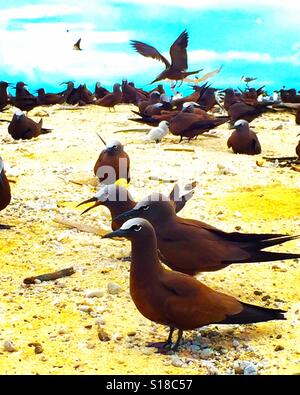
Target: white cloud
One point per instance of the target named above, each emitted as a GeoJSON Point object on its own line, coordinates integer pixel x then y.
{"type": "Point", "coordinates": [36, 11]}
{"type": "Point", "coordinates": [49, 54]}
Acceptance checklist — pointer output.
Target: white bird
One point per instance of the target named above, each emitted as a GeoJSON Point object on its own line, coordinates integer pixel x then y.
{"type": "Point", "coordinates": [158, 132]}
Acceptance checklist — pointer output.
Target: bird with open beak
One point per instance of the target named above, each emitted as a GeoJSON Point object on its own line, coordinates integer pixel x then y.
{"type": "Point", "coordinates": [119, 200]}
{"type": "Point", "coordinates": [113, 163]}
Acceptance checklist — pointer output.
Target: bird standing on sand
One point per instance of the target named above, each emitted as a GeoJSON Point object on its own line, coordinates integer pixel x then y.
{"type": "Point", "coordinates": [45, 99]}
{"type": "Point", "coordinates": [189, 123]}
{"type": "Point", "coordinates": [113, 163]}
{"type": "Point", "coordinates": [192, 246]}
{"type": "Point", "coordinates": [159, 132]}
{"type": "Point", "coordinates": [4, 100]}
{"type": "Point", "coordinates": [24, 100]}
{"type": "Point", "coordinates": [22, 127]}
{"type": "Point", "coordinates": [100, 91]}
{"type": "Point", "coordinates": [243, 140]}
{"type": "Point", "coordinates": [111, 99]}
{"type": "Point", "coordinates": [5, 194]}
{"type": "Point", "coordinates": [177, 300]}
{"type": "Point", "coordinates": [118, 200]}
{"type": "Point", "coordinates": [176, 70]}
{"type": "Point", "coordinates": [298, 149]}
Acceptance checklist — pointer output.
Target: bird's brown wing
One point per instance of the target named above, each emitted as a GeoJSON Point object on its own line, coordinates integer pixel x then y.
{"type": "Point", "coordinates": [229, 142]}
{"type": "Point", "coordinates": [256, 144]}
{"type": "Point", "coordinates": [149, 52]}
{"type": "Point", "coordinates": [178, 52]}
{"type": "Point", "coordinates": [192, 304]}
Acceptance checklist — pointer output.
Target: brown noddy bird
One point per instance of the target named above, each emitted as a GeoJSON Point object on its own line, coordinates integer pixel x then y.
{"type": "Point", "coordinates": [250, 95]}
{"type": "Point", "coordinates": [86, 96]}
{"type": "Point", "coordinates": [24, 100]}
{"type": "Point", "coordinates": [298, 148]}
{"type": "Point", "coordinates": [22, 127]}
{"type": "Point", "coordinates": [167, 115]}
{"type": "Point", "coordinates": [192, 246]}
{"type": "Point", "coordinates": [111, 99]}
{"type": "Point", "coordinates": [131, 94]}
{"type": "Point", "coordinates": [189, 124]}
{"type": "Point", "coordinates": [243, 140]}
{"type": "Point", "coordinates": [231, 97]}
{"type": "Point", "coordinates": [176, 70]}
{"type": "Point", "coordinates": [68, 92]}
{"type": "Point", "coordinates": [292, 96]}
{"type": "Point", "coordinates": [113, 163]}
{"type": "Point", "coordinates": [4, 98]}
{"type": "Point", "coordinates": [175, 299]}
{"type": "Point", "coordinates": [154, 98]}
{"type": "Point", "coordinates": [45, 99]}
{"type": "Point", "coordinates": [100, 91]}
{"type": "Point", "coordinates": [5, 193]}
{"type": "Point", "coordinates": [118, 200]}
{"type": "Point", "coordinates": [241, 110]}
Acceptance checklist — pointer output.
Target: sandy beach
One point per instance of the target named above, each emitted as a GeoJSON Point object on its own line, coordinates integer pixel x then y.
{"type": "Point", "coordinates": [106, 334]}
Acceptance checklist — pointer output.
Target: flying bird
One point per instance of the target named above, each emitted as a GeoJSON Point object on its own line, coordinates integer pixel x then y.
{"type": "Point", "coordinates": [76, 46]}
{"type": "Point", "coordinates": [176, 70]}
{"type": "Point", "coordinates": [248, 79]}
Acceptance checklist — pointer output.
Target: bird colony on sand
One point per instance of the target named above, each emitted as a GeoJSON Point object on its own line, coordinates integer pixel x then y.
{"type": "Point", "coordinates": [157, 233]}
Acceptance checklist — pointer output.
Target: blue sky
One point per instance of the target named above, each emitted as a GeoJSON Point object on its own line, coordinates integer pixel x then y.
{"type": "Point", "coordinates": [259, 38]}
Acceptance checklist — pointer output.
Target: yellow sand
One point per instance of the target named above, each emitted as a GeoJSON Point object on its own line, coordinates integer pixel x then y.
{"type": "Point", "coordinates": [54, 173]}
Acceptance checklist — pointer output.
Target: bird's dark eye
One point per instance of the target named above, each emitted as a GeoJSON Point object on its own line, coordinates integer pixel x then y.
{"type": "Point", "coordinates": [136, 228]}
{"type": "Point", "coordinates": [115, 146]}
{"type": "Point", "coordinates": [145, 208]}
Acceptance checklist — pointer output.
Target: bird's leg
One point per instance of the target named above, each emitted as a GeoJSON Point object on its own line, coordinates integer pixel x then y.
{"type": "Point", "coordinates": [162, 347]}
{"type": "Point", "coordinates": [180, 333]}
{"type": "Point", "coordinates": [169, 340]}
{"type": "Point", "coordinates": [181, 82]}
{"type": "Point", "coordinates": [180, 139]}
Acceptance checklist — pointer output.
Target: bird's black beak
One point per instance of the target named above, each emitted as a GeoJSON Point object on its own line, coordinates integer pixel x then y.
{"type": "Point", "coordinates": [126, 215]}
{"type": "Point", "coordinates": [116, 233]}
{"type": "Point", "coordinates": [92, 200]}
{"type": "Point", "coordinates": [10, 84]}
{"type": "Point", "coordinates": [63, 83]}
{"type": "Point", "coordinates": [232, 127]}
